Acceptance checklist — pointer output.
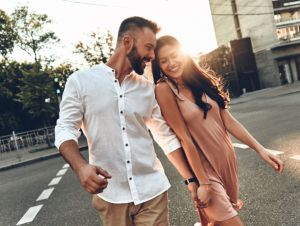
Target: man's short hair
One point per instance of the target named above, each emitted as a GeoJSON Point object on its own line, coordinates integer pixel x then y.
{"type": "Point", "coordinates": [132, 23]}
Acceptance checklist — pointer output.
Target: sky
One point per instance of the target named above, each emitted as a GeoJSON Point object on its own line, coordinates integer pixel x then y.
{"type": "Point", "coordinates": [73, 20]}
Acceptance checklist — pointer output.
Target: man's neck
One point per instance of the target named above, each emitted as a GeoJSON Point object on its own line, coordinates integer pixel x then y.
{"type": "Point", "coordinates": [120, 64]}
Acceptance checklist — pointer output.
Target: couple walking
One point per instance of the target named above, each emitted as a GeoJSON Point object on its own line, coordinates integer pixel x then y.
{"type": "Point", "coordinates": [187, 114]}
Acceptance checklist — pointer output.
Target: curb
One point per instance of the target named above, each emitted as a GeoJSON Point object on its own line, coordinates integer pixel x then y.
{"type": "Point", "coordinates": [34, 160]}
{"type": "Point", "coordinates": [248, 98]}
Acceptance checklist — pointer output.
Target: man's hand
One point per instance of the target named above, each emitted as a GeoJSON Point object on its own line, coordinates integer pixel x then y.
{"type": "Point", "coordinates": [93, 178]}
{"type": "Point", "coordinates": [192, 187]}
{"type": "Point", "coordinates": [204, 195]}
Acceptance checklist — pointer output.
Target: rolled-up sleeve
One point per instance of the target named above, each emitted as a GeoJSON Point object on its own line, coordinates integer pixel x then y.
{"type": "Point", "coordinates": [161, 132]}
{"type": "Point", "coordinates": [70, 114]}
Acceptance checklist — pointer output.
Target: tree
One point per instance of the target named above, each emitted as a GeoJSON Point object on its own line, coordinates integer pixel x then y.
{"type": "Point", "coordinates": [8, 119]}
{"type": "Point", "coordinates": [7, 34]}
{"type": "Point", "coordinates": [11, 115]}
{"type": "Point", "coordinates": [98, 50]}
{"type": "Point", "coordinates": [37, 95]}
{"type": "Point", "coordinates": [59, 75]}
{"type": "Point", "coordinates": [32, 34]}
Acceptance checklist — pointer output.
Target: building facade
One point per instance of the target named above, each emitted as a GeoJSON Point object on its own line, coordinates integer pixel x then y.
{"type": "Point", "coordinates": [287, 52]}
{"type": "Point", "coordinates": [265, 23]}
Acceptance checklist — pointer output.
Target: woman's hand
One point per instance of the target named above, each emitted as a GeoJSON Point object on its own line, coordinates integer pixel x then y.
{"type": "Point", "coordinates": [272, 160]}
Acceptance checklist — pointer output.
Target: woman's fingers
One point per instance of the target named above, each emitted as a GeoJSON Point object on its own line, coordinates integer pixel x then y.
{"type": "Point", "coordinates": [273, 161]}
{"type": "Point", "coordinates": [278, 164]}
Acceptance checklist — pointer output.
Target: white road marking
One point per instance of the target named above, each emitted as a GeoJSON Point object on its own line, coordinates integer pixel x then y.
{"type": "Point", "coordinates": [54, 181]}
{"type": "Point", "coordinates": [275, 152]}
{"type": "Point", "coordinates": [243, 146]}
{"type": "Point", "coordinates": [33, 211]}
{"type": "Point", "coordinates": [296, 157]}
{"type": "Point", "coordinates": [30, 214]}
{"type": "Point", "coordinates": [45, 194]}
{"type": "Point", "coordinates": [66, 166]}
{"type": "Point", "coordinates": [61, 172]}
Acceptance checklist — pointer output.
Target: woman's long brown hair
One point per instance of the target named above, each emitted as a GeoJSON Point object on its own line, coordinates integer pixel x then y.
{"type": "Point", "coordinates": [197, 79]}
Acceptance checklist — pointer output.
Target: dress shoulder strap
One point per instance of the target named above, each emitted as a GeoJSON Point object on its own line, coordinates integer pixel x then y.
{"type": "Point", "coordinates": [174, 89]}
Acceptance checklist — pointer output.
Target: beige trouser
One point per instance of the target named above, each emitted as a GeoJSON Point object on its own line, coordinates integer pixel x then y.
{"type": "Point", "coordinates": [151, 213]}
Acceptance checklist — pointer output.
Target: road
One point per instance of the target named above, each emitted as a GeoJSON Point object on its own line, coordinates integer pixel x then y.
{"type": "Point", "coordinates": [270, 199]}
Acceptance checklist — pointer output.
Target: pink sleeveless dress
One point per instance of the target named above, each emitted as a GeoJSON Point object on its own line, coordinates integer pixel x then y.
{"type": "Point", "coordinates": [217, 154]}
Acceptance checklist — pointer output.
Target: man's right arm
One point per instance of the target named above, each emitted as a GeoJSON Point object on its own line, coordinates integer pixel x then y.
{"type": "Point", "coordinates": [66, 138]}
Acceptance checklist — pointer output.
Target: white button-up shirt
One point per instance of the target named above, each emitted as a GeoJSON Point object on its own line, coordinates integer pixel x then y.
{"type": "Point", "coordinates": [115, 119]}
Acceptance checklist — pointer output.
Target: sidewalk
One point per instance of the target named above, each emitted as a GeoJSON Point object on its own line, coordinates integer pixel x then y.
{"type": "Point", "coordinates": [30, 155]}
{"type": "Point", "coordinates": [268, 93]}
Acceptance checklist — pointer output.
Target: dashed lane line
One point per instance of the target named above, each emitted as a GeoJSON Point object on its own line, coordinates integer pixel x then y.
{"type": "Point", "coordinates": [243, 146]}
{"type": "Point", "coordinates": [54, 181]}
{"type": "Point", "coordinates": [274, 152]}
{"type": "Point", "coordinates": [66, 166]}
{"type": "Point", "coordinates": [45, 194]}
{"type": "Point", "coordinates": [296, 157]}
{"type": "Point", "coordinates": [33, 211]}
{"type": "Point", "coordinates": [30, 214]}
{"type": "Point", "coordinates": [61, 172]}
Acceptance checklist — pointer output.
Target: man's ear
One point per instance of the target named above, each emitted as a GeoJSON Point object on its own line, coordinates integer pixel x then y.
{"type": "Point", "coordinates": [128, 42]}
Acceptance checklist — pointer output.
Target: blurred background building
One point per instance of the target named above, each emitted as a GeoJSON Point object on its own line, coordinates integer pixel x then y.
{"type": "Point", "coordinates": [263, 38]}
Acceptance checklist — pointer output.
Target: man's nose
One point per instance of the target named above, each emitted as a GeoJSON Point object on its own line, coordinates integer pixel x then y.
{"type": "Point", "coordinates": [152, 55]}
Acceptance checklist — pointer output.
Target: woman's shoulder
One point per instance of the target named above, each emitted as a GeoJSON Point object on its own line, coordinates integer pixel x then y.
{"type": "Point", "coordinates": [162, 86]}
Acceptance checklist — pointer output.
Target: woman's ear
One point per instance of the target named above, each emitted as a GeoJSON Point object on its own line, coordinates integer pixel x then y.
{"type": "Point", "coordinates": [128, 43]}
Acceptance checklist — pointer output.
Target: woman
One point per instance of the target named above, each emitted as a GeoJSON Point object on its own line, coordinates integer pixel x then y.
{"type": "Point", "coordinates": [195, 106]}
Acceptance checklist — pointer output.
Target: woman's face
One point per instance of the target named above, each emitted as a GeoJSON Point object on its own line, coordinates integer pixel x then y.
{"type": "Point", "coordinates": [171, 61]}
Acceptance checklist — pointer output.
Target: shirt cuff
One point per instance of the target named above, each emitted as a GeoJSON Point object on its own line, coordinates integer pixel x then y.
{"type": "Point", "coordinates": [64, 136]}
{"type": "Point", "coordinates": [171, 146]}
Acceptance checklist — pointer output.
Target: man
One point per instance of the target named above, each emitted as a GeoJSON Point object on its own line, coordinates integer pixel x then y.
{"type": "Point", "coordinates": [114, 107]}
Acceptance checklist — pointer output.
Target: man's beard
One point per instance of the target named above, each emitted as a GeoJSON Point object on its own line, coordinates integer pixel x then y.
{"type": "Point", "coordinates": [136, 62]}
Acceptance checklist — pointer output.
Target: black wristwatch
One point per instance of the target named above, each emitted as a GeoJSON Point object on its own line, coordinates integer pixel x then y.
{"type": "Point", "coordinates": [190, 180]}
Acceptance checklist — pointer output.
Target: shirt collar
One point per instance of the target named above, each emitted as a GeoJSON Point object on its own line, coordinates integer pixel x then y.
{"type": "Point", "coordinates": [111, 70]}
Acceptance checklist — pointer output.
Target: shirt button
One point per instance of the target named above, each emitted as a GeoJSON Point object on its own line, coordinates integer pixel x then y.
{"type": "Point", "coordinates": [130, 178]}
{"type": "Point", "coordinates": [116, 80]}
{"type": "Point", "coordinates": [123, 128]}
{"type": "Point", "coordinates": [128, 161]}
{"type": "Point", "coordinates": [121, 112]}
{"type": "Point", "coordinates": [121, 96]}
{"type": "Point", "coordinates": [126, 145]}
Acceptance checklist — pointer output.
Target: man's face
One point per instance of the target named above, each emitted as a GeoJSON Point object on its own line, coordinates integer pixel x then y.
{"type": "Point", "coordinates": [142, 50]}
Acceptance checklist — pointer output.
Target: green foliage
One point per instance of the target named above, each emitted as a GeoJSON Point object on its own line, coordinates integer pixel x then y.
{"type": "Point", "coordinates": [60, 75]}
{"type": "Point", "coordinates": [11, 114]}
{"type": "Point", "coordinates": [32, 34]}
{"type": "Point", "coordinates": [27, 95]}
{"type": "Point", "coordinates": [7, 34]}
{"type": "Point", "coordinates": [37, 86]}
{"type": "Point", "coordinates": [98, 50]}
